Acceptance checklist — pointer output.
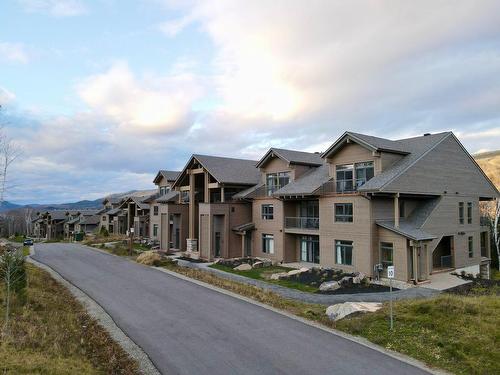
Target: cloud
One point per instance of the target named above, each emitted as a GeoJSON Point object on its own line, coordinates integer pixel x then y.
{"type": "Point", "coordinates": [6, 96]}
{"type": "Point", "coordinates": [56, 8]}
{"type": "Point", "coordinates": [151, 104]}
{"type": "Point", "coordinates": [13, 52]}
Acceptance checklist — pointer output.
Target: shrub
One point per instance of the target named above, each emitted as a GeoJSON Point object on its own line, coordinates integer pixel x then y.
{"type": "Point", "coordinates": [149, 258]}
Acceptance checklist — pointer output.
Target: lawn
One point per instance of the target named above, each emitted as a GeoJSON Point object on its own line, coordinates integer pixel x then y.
{"type": "Point", "coordinates": [265, 273]}
{"type": "Point", "coordinates": [52, 334]}
{"type": "Point", "coordinates": [18, 239]}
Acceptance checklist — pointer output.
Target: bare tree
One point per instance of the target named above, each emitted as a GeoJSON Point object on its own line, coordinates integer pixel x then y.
{"type": "Point", "coordinates": [28, 217]}
{"type": "Point", "coordinates": [9, 152]}
{"type": "Point", "coordinates": [496, 234]}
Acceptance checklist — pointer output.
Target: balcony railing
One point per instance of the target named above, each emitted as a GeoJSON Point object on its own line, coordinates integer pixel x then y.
{"type": "Point", "coordinates": [302, 222]}
{"type": "Point", "coordinates": [264, 191]}
{"type": "Point", "coordinates": [341, 186]}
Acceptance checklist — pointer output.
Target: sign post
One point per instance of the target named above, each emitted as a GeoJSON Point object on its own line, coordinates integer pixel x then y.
{"type": "Point", "coordinates": [131, 239]}
{"type": "Point", "coordinates": [390, 276]}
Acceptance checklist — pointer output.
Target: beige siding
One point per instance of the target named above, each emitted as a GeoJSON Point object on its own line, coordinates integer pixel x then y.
{"type": "Point", "coordinates": [359, 232]}
{"type": "Point", "coordinates": [400, 252]}
{"type": "Point", "coordinates": [352, 153]}
{"type": "Point", "coordinates": [274, 227]}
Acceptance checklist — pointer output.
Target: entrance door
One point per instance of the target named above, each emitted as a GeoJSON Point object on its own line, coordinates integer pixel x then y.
{"type": "Point", "coordinates": [309, 249]}
{"type": "Point", "coordinates": [248, 244]}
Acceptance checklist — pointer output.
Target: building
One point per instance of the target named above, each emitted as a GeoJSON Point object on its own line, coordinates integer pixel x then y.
{"type": "Point", "coordinates": [368, 202]}
{"type": "Point", "coordinates": [206, 186]}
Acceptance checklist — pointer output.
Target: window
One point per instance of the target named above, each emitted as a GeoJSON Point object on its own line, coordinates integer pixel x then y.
{"type": "Point", "coordinates": [104, 218]}
{"type": "Point", "coordinates": [155, 210]}
{"type": "Point", "coordinates": [275, 181]}
{"type": "Point", "coordinates": [164, 190]}
{"type": "Point", "coordinates": [268, 243]}
{"type": "Point", "coordinates": [344, 177]}
{"type": "Point", "coordinates": [309, 249]}
{"type": "Point", "coordinates": [343, 212]}
{"type": "Point", "coordinates": [471, 247]}
{"type": "Point", "coordinates": [386, 254]}
{"type": "Point", "coordinates": [364, 172]}
{"type": "Point", "coordinates": [155, 230]}
{"type": "Point", "coordinates": [469, 212]}
{"type": "Point", "coordinates": [267, 212]}
{"type": "Point", "coordinates": [343, 252]}
{"type": "Point", "coordinates": [309, 208]}
{"type": "Point", "coordinates": [461, 212]}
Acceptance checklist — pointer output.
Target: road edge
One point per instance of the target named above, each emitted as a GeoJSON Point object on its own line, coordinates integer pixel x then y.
{"type": "Point", "coordinates": [97, 312]}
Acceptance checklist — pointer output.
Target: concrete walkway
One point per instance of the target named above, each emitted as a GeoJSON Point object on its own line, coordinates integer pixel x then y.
{"type": "Point", "coordinates": [443, 281]}
{"type": "Point", "coordinates": [324, 299]}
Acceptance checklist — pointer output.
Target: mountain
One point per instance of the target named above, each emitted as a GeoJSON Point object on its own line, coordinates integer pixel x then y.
{"type": "Point", "coordinates": [80, 205]}
{"type": "Point", "coordinates": [490, 163]}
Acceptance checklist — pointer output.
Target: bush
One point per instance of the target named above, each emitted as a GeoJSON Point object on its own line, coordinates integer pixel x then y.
{"type": "Point", "coordinates": [149, 258]}
{"type": "Point", "coordinates": [104, 232]}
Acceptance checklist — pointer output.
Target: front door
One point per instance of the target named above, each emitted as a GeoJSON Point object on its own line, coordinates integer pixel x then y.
{"type": "Point", "coordinates": [217, 244]}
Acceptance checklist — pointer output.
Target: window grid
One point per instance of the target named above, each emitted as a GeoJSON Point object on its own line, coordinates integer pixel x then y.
{"type": "Point", "coordinates": [267, 211]}
{"type": "Point", "coordinates": [343, 212]}
{"type": "Point", "coordinates": [343, 252]}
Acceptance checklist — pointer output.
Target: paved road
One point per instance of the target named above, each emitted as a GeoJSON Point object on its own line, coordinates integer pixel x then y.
{"type": "Point", "coordinates": [188, 329]}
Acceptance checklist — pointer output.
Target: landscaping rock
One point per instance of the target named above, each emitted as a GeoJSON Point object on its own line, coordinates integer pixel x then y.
{"type": "Point", "coordinates": [258, 265]}
{"type": "Point", "coordinates": [341, 310]}
{"type": "Point", "coordinates": [329, 286]}
{"type": "Point", "coordinates": [265, 261]}
{"type": "Point", "coordinates": [294, 272]}
{"type": "Point", "coordinates": [358, 277]}
{"type": "Point", "coordinates": [243, 267]}
{"type": "Point", "coordinates": [346, 280]}
{"type": "Point", "coordinates": [149, 258]}
{"type": "Point", "coordinates": [278, 276]}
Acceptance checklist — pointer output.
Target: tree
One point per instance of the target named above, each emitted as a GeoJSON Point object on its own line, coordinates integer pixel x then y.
{"type": "Point", "coordinates": [496, 229]}
{"type": "Point", "coordinates": [13, 276]}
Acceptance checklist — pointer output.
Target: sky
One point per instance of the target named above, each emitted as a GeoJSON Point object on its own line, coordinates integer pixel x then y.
{"type": "Point", "coordinates": [101, 94]}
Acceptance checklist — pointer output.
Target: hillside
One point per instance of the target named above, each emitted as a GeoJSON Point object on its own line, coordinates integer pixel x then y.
{"type": "Point", "coordinates": [490, 163]}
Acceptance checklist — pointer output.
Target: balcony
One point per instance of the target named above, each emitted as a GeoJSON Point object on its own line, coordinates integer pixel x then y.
{"type": "Point", "coordinates": [301, 224]}
{"type": "Point", "coordinates": [341, 186]}
{"type": "Point", "coordinates": [264, 191]}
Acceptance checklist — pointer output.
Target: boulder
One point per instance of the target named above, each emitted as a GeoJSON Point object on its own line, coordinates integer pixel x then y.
{"type": "Point", "coordinates": [358, 277]}
{"type": "Point", "coordinates": [329, 286]}
{"type": "Point", "coordinates": [258, 265]}
{"type": "Point", "coordinates": [341, 310]}
{"type": "Point", "coordinates": [346, 280]}
{"type": "Point", "coordinates": [280, 275]}
{"type": "Point", "coordinates": [149, 258]}
{"type": "Point", "coordinates": [265, 261]}
{"type": "Point", "coordinates": [304, 269]}
{"type": "Point", "coordinates": [294, 272]}
{"type": "Point", "coordinates": [243, 267]}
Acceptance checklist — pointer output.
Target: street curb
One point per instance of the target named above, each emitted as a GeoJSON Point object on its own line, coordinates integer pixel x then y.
{"type": "Point", "coordinates": [97, 312]}
{"type": "Point", "coordinates": [359, 340]}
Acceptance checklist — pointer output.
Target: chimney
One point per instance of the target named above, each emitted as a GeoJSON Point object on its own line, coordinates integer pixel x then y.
{"type": "Point", "coordinates": [426, 134]}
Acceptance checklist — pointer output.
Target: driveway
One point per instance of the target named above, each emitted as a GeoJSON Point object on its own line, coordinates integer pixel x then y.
{"type": "Point", "coordinates": [186, 328]}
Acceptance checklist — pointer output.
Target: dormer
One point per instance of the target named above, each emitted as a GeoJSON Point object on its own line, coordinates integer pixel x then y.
{"type": "Point", "coordinates": [356, 158]}
{"type": "Point", "coordinates": [278, 167]}
{"type": "Point", "coordinates": [164, 180]}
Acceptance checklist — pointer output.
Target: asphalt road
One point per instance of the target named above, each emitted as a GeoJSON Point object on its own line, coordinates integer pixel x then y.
{"type": "Point", "coordinates": [189, 329]}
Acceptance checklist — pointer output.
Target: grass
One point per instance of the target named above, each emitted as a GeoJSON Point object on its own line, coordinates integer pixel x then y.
{"type": "Point", "coordinates": [264, 274]}
{"type": "Point", "coordinates": [52, 334]}
{"type": "Point", "coordinates": [26, 250]}
{"type": "Point", "coordinates": [495, 274]}
{"type": "Point", "coordinates": [18, 239]}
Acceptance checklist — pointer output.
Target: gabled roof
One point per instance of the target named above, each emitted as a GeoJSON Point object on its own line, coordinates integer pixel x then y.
{"type": "Point", "coordinates": [114, 211]}
{"type": "Point", "coordinates": [57, 214]}
{"type": "Point", "coordinates": [112, 200]}
{"type": "Point", "coordinates": [139, 201]}
{"type": "Point", "coordinates": [226, 170]}
{"type": "Point", "coordinates": [247, 193]}
{"type": "Point", "coordinates": [368, 141]}
{"type": "Point", "coordinates": [307, 184]}
{"type": "Point", "coordinates": [292, 157]}
{"type": "Point", "coordinates": [90, 220]}
{"type": "Point", "coordinates": [170, 176]}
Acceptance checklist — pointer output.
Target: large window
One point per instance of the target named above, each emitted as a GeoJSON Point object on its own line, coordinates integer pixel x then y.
{"type": "Point", "coordinates": [268, 243]}
{"type": "Point", "coordinates": [309, 208]}
{"type": "Point", "coordinates": [469, 212]}
{"type": "Point", "coordinates": [155, 230]}
{"type": "Point", "coordinates": [275, 181]}
{"type": "Point", "coordinates": [344, 177]}
{"type": "Point", "coordinates": [309, 249]}
{"type": "Point", "coordinates": [386, 254]}
{"type": "Point", "coordinates": [155, 210]}
{"type": "Point", "coordinates": [267, 212]}
{"type": "Point", "coordinates": [461, 212]}
{"type": "Point", "coordinates": [343, 212]}
{"type": "Point", "coordinates": [343, 252]}
{"type": "Point", "coordinates": [364, 172]}
{"type": "Point", "coordinates": [471, 247]}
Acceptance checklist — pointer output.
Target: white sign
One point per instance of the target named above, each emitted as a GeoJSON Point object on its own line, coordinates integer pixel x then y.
{"type": "Point", "coordinates": [390, 272]}
{"type": "Point", "coordinates": [131, 230]}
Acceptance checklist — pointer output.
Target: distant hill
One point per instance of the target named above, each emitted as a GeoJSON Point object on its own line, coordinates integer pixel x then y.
{"type": "Point", "coordinates": [80, 205]}
{"type": "Point", "coordinates": [490, 163]}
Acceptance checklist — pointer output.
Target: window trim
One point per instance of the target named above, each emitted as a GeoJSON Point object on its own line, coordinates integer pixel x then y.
{"type": "Point", "coordinates": [470, 246]}
{"type": "Point", "coordinates": [344, 214]}
{"type": "Point", "coordinates": [156, 210]}
{"type": "Point", "coordinates": [267, 239]}
{"type": "Point", "coordinates": [267, 211]}
{"type": "Point", "coordinates": [384, 245]}
{"type": "Point", "coordinates": [345, 243]}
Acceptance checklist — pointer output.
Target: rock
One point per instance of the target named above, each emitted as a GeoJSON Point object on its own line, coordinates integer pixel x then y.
{"type": "Point", "coordinates": [358, 277]}
{"type": "Point", "coordinates": [345, 280]}
{"type": "Point", "coordinates": [243, 267]}
{"type": "Point", "coordinates": [294, 272]}
{"type": "Point", "coordinates": [267, 262]}
{"type": "Point", "coordinates": [258, 265]}
{"type": "Point", "coordinates": [341, 310]}
{"type": "Point", "coordinates": [329, 286]}
{"type": "Point", "coordinates": [149, 258]}
{"type": "Point", "coordinates": [304, 269]}
{"type": "Point", "coordinates": [280, 275]}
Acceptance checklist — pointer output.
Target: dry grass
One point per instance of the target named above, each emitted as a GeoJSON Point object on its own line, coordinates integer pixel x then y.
{"type": "Point", "coordinates": [52, 334]}
{"type": "Point", "coordinates": [490, 163]}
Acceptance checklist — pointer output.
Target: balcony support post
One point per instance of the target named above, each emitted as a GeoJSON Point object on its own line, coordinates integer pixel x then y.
{"type": "Point", "coordinates": [396, 210]}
